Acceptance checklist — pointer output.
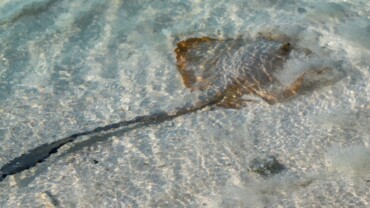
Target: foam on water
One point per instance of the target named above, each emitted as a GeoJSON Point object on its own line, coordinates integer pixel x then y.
{"type": "Point", "coordinates": [68, 66]}
{"type": "Point", "coordinates": [352, 160]}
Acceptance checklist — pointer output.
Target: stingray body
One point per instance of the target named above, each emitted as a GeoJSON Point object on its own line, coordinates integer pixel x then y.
{"type": "Point", "coordinates": [231, 68]}
{"type": "Point", "coordinates": [224, 69]}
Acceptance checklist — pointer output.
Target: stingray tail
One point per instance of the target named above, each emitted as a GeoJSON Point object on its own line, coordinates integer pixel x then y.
{"type": "Point", "coordinates": [41, 153]}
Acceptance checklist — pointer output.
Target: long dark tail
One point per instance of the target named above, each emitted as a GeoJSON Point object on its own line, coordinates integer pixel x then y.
{"type": "Point", "coordinates": [41, 153]}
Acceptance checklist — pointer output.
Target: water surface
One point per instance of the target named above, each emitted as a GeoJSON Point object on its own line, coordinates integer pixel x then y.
{"type": "Point", "coordinates": [70, 66]}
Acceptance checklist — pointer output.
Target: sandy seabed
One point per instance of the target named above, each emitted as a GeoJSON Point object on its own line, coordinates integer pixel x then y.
{"type": "Point", "coordinates": [70, 66]}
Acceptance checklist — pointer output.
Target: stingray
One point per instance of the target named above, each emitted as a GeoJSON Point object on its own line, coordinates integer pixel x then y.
{"type": "Point", "coordinates": [224, 71]}
{"type": "Point", "coordinates": [229, 69]}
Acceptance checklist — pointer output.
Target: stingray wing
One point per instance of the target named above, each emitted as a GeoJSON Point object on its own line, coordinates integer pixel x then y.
{"type": "Point", "coordinates": [203, 64]}
{"type": "Point", "coordinates": [198, 61]}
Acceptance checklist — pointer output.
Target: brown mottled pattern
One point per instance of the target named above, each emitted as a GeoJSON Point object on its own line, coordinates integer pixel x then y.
{"type": "Point", "coordinates": [232, 67]}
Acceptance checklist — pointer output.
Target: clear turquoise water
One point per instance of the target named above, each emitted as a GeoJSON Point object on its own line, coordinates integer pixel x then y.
{"type": "Point", "coordinates": [69, 66]}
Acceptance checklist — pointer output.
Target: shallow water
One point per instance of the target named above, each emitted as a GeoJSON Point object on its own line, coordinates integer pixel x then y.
{"type": "Point", "coordinates": [70, 66]}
